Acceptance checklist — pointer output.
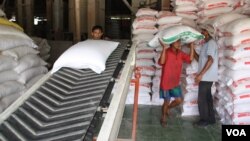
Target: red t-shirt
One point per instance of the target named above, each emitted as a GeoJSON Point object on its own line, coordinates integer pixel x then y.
{"type": "Point", "coordinates": [171, 70]}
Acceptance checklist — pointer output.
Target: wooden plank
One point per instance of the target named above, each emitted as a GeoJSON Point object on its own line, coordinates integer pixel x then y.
{"type": "Point", "coordinates": [49, 18]}
{"type": "Point", "coordinates": [29, 12]}
{"type": "Point", "coordinates": [20, 13]}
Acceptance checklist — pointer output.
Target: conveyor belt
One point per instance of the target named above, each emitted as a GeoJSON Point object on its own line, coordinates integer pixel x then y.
{"type": "Point", "coordinates": [65, 107]}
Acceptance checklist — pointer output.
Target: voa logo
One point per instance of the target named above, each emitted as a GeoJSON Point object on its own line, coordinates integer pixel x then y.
{"type": "Point", "coordinates": [236, 132]}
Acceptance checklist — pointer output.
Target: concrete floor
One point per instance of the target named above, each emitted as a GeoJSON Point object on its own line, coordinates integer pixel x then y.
{"type": "Point", "coordinates": [178, 128]}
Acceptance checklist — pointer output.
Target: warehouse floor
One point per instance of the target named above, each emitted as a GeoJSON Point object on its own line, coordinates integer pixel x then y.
{"type": "Point", "coordinates": [178, 128]}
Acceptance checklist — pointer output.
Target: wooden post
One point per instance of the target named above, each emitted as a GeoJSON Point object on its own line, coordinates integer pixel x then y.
{"type": "Point", "coordinates": [20, 12]}
{"type": "Point", "coordinates": [77, 33]}
{"type": "Point", "coordinates": [49, 17]}
{"type": "Point", "coordinates": [92, 13]}
{"type": "Point", "coordinates": [58, 19]}
{"type": "Point", "coordinates": [71, 16]}
{"type": "Point", "coordinates": [29, 6]}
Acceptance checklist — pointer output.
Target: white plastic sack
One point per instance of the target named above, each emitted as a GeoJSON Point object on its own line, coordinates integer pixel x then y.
{"type": "Point", "coordinates": [168, 19]}
{"type": "Point", "coordinates": [9, 30]}
{"type": "Point", "coordinates": [144, 21]}
{"type": "Point", "coordinates": [215, 11]}
{"type": "Point", "coordinates": [28, 74]}
{"type": "Point", "coordinates": [237, 75]}
{"type": "Point", "coordinates": [239, 52]}
{"type": "Point", "coordinates": [12, 41]}
{"type": "Point", "coordinates": [145, 54]}
{"type": "Point", "coordinates": [29, 61]}
{"type": "Point", "coordinates": [19, 52]}
{"type": "Point", "coordinates": [185, 2]}
{"type": "Point", "coordinates": [87, 54]}
{"type": "Point", "coordinates": [188, 22]}
{"type": "Point", "coordinates": [236, 27]}
{"type": "Point", "coordinates": [187, 15]}
{"type": "Point", "coordinates": [144, 62]}
{"type": "Point", "coordinates": [211, 4]}
{"type": "Point", "coordinates": [10, 87]}
{"type": "Point", "coordinates": [145, 30]}
{"type": "Point", "coordinates": [8, 76]}
{"type": "Point", "coordinates": [237, 64]}
{"type": "Point", "coordinates": [7, 63]}
{"type": "Point", "coordinates": [226, 18]}
{"type": "Point", "coordinates": [236, 40]}
{"type": "Point", "coordinates": [185, 8]}
{"type": "Point", "coordinates": [142, 38]}
{"type": "Point", "coordinates": [146, 11]}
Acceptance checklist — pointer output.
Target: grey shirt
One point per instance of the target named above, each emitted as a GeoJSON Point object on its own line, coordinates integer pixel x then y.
{"type": "Point", "coordinates": [209, 49]}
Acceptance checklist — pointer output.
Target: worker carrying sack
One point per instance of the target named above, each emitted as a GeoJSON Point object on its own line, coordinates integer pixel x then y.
{"type": "Point", "coordinates": [185, 33]}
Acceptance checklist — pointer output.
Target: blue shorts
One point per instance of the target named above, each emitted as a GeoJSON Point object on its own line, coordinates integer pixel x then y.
{"type": "Point", "coordinates": [167, 94]}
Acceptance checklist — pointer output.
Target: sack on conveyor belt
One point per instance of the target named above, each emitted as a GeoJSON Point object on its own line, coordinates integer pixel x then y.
{"type": "Point", "coordinates": [89, 54]}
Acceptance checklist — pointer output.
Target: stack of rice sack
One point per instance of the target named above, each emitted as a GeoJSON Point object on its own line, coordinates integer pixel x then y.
{"type": "Point", "coordinates": [20, 66]}
{"type": "Point", "coordinates": [189, 88]}
{"type": "Point", "coordinates": [233, 89]}
{"type": "Point", "coordinates": [43, 47]}
{"type": "Point", "coordinates": [187, 9]}
{"type": "Point", "coordinates": [210, 9]}
{"type": "Point", "coordinates": [144, 28]}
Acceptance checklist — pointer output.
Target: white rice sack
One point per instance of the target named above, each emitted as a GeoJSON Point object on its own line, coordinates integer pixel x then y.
{"type": "Point", "coordinates": [144, 88]}
{"type": "Point", "coordinates": [241, 87]}
{"type": "Point", "coordinates": [146, 11]}
{"type": "Point", "coordinates": [29, 61]}
{"type": "Point", "coordinates": [187, 15]}
{"type": "Point", "coordinates": [8, 76]}
{"type": "Point", "coordinates": [211, 4]}
{"type": "Point", "coordinates": [150, 71]}
{"type": "Point", "coordinates": [168, 19]}
{"type": "Point", "coordinates": [236, 40]}
{"type": "Point", "coordinates": [19, 52]}
{"type": "Point", "coordinates": [236, 27]}
{"type": "Point", "coordinates": [145, 54]}
{"type": "Point", "coordinates": [12, 41]}
{"type": "Point", "coordinates": [164, 26]}
{"type": "Point", "coordinates": [87, 54]}
{"type": "Point", "coordinates": [239, 52]}
{"type": "Point", "coordinates": [142, 38]}
{"type": "Point", "coordinates": [185, 33]}
{"type": "Point", "coordinates": [240, 108]}
{"type": "Point", "coordinates": [241, 118]}
{"type": "Point", "coordinates": [190, 96]}
{"type": "Point", "coordinates": [185, 8]}
{"type": "Point", "coordinates": [237, 64]}
{"type": "Point", "coordinates": [7, 63]}
{"type": "Point", "coordinates": [144, 21]}
{"type": "Point", "coordinates": [145, 79]}
{"type": "Point", "coordinates": [8, 100]}
{"type": "Point", "coordinates": [188, 22]}
{"type": "Point", "coordinates": [215, 11]}
{"type": "Point", "coordinates": [28, 74]}
{"type": "Point", "coordinates": [226, 18]}
{"type": "Point", "coordinates": [145, 30]}
{"type": "Point", "coordinates": [10, 87]}
{"type": "Point", "coordinates": [33, 80]}
{"type": "Point", "coordinates": [144, 62]}
{"type": "Point", "coordinates": [237, 75]}
{"type": "Point", "coordinates": [185, 2]}
{"type": "Point", "coordinates": [9, 30]}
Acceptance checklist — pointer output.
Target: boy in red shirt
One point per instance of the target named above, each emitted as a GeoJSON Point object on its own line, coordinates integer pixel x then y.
{"type": "Point", "coordinates": [171, 60]}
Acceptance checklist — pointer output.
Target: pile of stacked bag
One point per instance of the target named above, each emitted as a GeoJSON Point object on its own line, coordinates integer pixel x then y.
{"type": "Point", "coordinates": [149, 51]}
{"type": "Point", "coordinates": [144, 28]}
{"type": "Point", "coordinates": [20, 65]}
{"type": "Point", "coordinates": [233, 32]}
